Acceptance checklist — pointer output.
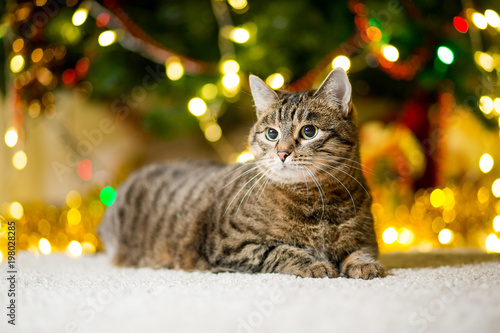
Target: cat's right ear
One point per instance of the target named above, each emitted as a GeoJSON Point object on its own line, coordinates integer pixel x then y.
{"type": "Point", "coordinates": [263, 95]}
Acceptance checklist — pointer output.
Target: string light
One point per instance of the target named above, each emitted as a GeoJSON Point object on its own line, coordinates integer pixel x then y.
{"type": "Point", "coordinates": [492, 18]}
{"type": "Point", "coordinates": [107, 38]}
{"type": "Point", "coordinates": [17, 63]}
{"type": "Point", "coordinates": [460, 24]}
{"type": "Point", "coordinates": [16, 210]}
{"type": "Point", "coordinates": [245, 157]}
{"type": "Point", "coordinates": [390, 235]}
{"type": "Point", "coordinates": [108, 195]}
{"type": "Point", "coordinates": [496, 105]}
{"type": "Point", "coordinates": [479, 21]}
{"type": "Point", "coordinates": [484, 60]}
{"type": "Point", "coordinates": [80, 16]}
{"type": "Point", "coordinates": [496, 223]}
{"type": "Point", "coordinates": [18, 45]}
{"type": "Point", "coordinates": [495, 188]}
{"type": "Point", "coordinates": [44, 246]}
{"type": "Point", "coordinates": [229, 66]}
{"type": "Point", "coordinates": [445, 236]}
{"type": "Point", "coordinates": [37, 55]}
{"type": "Point", "coordinates": [445, 55]}
{"type": "Point", "coordinates": [75, 248]}
{"type": "Point", "coordinates": [486, 104]}
{"type": "Point", "coordinates": [390, 53]}
{"type": "Point", "coordinates": [74, 217]}
{"type": "Point", "coordinates": [405, 236]}
{"type": "Point", "coordinates": [492, 243]}
{"type": "Point", "coordinates": [486, 163]}
{"type": "Point", "coordinates": [11, 137]}
{"type": "Point", "coordinates": [238, 4]}
{"type": "Point", "coordinates": [374, 34]}
{"type": "Point", "coordinates": [213, 132]}
{"type": "Point", "coordinates": [197, 107]}
{"type": "Point", "coordinates": [19, 160]}
{"type": "Point", "coordinates": [1, 256]}
{"type": "Point", "coordinates": [175, 70]}
{"type": "Point", "coordinates": [231, 81]}
{"type": "Point", "coordinates": [341, 61]}
{"type": "Point", "coordinates": [437, 198]}
{"type": "Point", "coordinates": [240, 35]}
{"type": "Point", "coordinates": [209, 91]}
{"type": "Point", "coordinates": [85, 169]}
{"type": "Point", "coordinates": [275, 81]}
{"type": "Point", "coordinates": [73, 199]}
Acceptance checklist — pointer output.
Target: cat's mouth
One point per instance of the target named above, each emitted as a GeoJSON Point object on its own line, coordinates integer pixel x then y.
{"type": "Point", "coordinates": [287, 171]}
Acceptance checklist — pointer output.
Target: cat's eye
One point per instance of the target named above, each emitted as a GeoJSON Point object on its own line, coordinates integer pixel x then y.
{"type": "Point", "coordinates": [308, 132]}
{"type": "Point", "coordinates": [271, 134]}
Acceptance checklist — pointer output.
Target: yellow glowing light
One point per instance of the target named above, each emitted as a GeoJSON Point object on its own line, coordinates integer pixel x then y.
{"type": "Point", "coordinates": [175, 70]}
{"type": "Point", "coordinates": [486, 163]}
{"type": "Point", "coordinates": [245, 157]}
{"type": "Point", "coordinates": [213, 132]}
{"type": "Point", "coordinates": [209, 91]}
{"type": "Point", "coordinates": [37, 55]}
{"type": "Point", "coordinates": [16, 210]}
{"type": "Point", "coordinates": [240, 35]}
{"type": "Point", "coordinates": [390, 235]}
{"type": "Point", "coordinates": [437, 198]}
{"type": "Point", "coordinates": [231, 81]}
{"type": "Point", "coordinates": [1, 256]}
{"type": "Point", "coordinates": [485, 60]}
{"type": "Point", "coordinates": [74, 216]}
{"type": "Point", "coordinates": [341, 61]}
{"type": "Point", "coordinates": [492, 243]}
{"type": "Point", "coordinates": [75, 248]}
{"type": "Point", "coordinates": [479, 20]}
{"type": "Point", "coordinates": [80, 16]}
{"type": "Point", "coordinates": [492, 18]}
{"type": "Point", "coordinates": [107, 38]}
{"type": "Point", "coordinates": [486, 104]}
{"type": "Point", "coordinates": [11, 137]}
{"type": "Point", "coordinates": [88, 248]}
{"type": "Point", "coordinates": [19, 160]}
{"type": "Point", "coordinates": [495, 188]}
{"type": "Point", "coordinates": [275, 81]}
{"type": "Point", "coordinates": [73, 199]}
{"type": "Point", "coordinates": [17, 63]}
{"type": "Point", "coordinates": [197, 106]}
{"type": "Point", "coordinates": [390, 53]}
{"type": "Point", "coordinates": [496, 105]}
{"type": "Point", "coordinates": [44, 246]}
{"type": "Point", "coordinates": [445, 236]}
{"type": "Point", "coordinates": [229, 66]}
{"type": "Point", "coordinates": [405, 236]}
{"type": "Point", "coordinates": [496, 223]}
{"type": "Point", "coordinates": [18, 45]}
{"type": "Point", "coordinates": [238, 4]}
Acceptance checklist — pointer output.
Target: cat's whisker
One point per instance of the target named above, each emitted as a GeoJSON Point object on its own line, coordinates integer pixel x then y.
{"type": "Point", "coordinates": [249, 163]}
{"type": "Point", "coordinates": [338, 169]}
{"type": "Point", "coordinates": [268, 179]}
{"type": "Point", "coordinates": [349, 192]}
{"type": "Point", "coordinates": [241, 189]}
{"type": "Point", "coordinates": [241, 175]}
{"type": "Point", "coordinates": [334, 158]}
{"type": "Point", "coordinates": [305, 180]}
{"type": "Point", "coordinates": [320, 189]}
{"type": "Point", "coordinates": [250, 190]}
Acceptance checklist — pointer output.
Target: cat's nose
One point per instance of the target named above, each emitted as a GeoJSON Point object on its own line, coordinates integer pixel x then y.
{"type": "Point", "coordinates": [283, 155]}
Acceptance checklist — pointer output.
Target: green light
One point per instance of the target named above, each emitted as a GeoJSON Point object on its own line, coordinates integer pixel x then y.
{"type": "Point", "coordinates": [108, 196]}
{"type": "Point", "coordinates": [445, 55]}
{"type": "Point", "coordinates": [373, 22]}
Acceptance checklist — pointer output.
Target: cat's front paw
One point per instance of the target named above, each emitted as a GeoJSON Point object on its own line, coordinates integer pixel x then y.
{"type": "Point", "coordinates": [363, 270]}
{"type": "Point", "coordinates": [319, 270]}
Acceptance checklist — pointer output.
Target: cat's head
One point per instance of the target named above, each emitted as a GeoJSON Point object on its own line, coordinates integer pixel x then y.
{"type": "Point", "coordinates": [300, 133]}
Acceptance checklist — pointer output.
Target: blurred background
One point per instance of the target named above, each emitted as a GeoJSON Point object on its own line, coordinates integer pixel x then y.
{"type": "Point", "coordinates": [92, 90]}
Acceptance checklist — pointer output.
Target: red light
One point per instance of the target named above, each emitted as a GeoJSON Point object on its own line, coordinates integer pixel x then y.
{"type": "Point", "coordinates": [85, 169]}
{"type": "Point", "coordinates": [68, 76]}
{"type": "Point", "coordinates": [82, 66]}
{"type": "Point", "coordinates": [460, 24]}
{"type": "Point", "coordinates": [102, 20]}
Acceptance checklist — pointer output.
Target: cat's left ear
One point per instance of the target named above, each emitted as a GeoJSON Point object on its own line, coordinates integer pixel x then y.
{"type": "Point", "coordinates": [263, 96]}
{"type": "Point", "coordinates": [337, 90]}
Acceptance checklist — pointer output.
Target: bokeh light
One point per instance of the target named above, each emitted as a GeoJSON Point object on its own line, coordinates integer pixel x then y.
{"type": "Point", "coordinates": [492, 243]}
{"type": "Point", "coordinates": [108, 195]}
{"type": "Point", "coordinates": [231, 81]}
{"type": "Point", "coordinates": [495, 188]}
{"type": "Point", "coordinates": [229, 66]}
{"type": "Point", "coordinates": [238, 4]}
{"type": "Point", "coordinates": [486, 163]}
{"type": "Point", "coordinates": [75, 248]}
{"type": "Point", "coordinates": [390, 235]}
{"type": "Point", "coordinates": [341, 61]}
{"type": "Point", "coordinates": [209, 91]}
{"type": "Point", "coordinates": [479, 21]}
{"type": "Point", "coordinates": [460, 24]}
{"type": "Point", "coordinates": [175, 70]}
{"type": "Point", "coordinates": [80, 16]}
{"type": "Point", "coordinates": [16, 210]}
{"type": "Point", "coordinates": [240, 35]}
{"type": "Point", "coordinates": [107, 38]}
{"type": "Point", "coordinates": [275, 81]}
{"type": "Point", "coordinates": [492, 18]}
{"type": "Point", "coordinates": [496, 223]}
{"type": "Point", "coordinates": [445, 55]}
{"type": "Point", "coordinates": [44, 246]}
{"type": "Point", "coordinates": [17, 63]}
{"type": "Point", "coordinates": [486, 104]}
{"type": "Point", "coordinates": [445, 236]}
{"type": "Point", "coordinates": [390, 53]}
{"type": "Point", "coordinates": [19, 160]}
{"type": "Point", "coordinates": [11, 137]}
{"type": "Point", "coordinates": [197, 106]}
{"type": "Point", "coordinates": [213, 132]}
{"type": "Point", "coordinates": [437, 198]}
{"type": "Point", "coordinates": [245, 157]}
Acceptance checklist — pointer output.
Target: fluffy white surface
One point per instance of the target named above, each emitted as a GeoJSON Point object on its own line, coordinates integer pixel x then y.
{"type": "Point", "coordinates": [438, 292]}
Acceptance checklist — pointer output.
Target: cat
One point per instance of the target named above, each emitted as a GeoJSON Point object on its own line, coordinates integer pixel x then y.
{"type": "Point", "coordinates": [302, 207]}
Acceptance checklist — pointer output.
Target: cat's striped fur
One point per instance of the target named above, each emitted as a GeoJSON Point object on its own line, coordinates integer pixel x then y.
{"type": "Point", "coordinates": [307, 214]}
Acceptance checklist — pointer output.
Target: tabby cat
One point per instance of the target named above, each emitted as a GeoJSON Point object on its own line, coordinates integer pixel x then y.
{"type": "Point", "coordinates": [302, 207]}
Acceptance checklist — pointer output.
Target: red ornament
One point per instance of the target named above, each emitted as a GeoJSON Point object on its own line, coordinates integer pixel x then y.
{"type": "Point", "coordinates": [460, 24]}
